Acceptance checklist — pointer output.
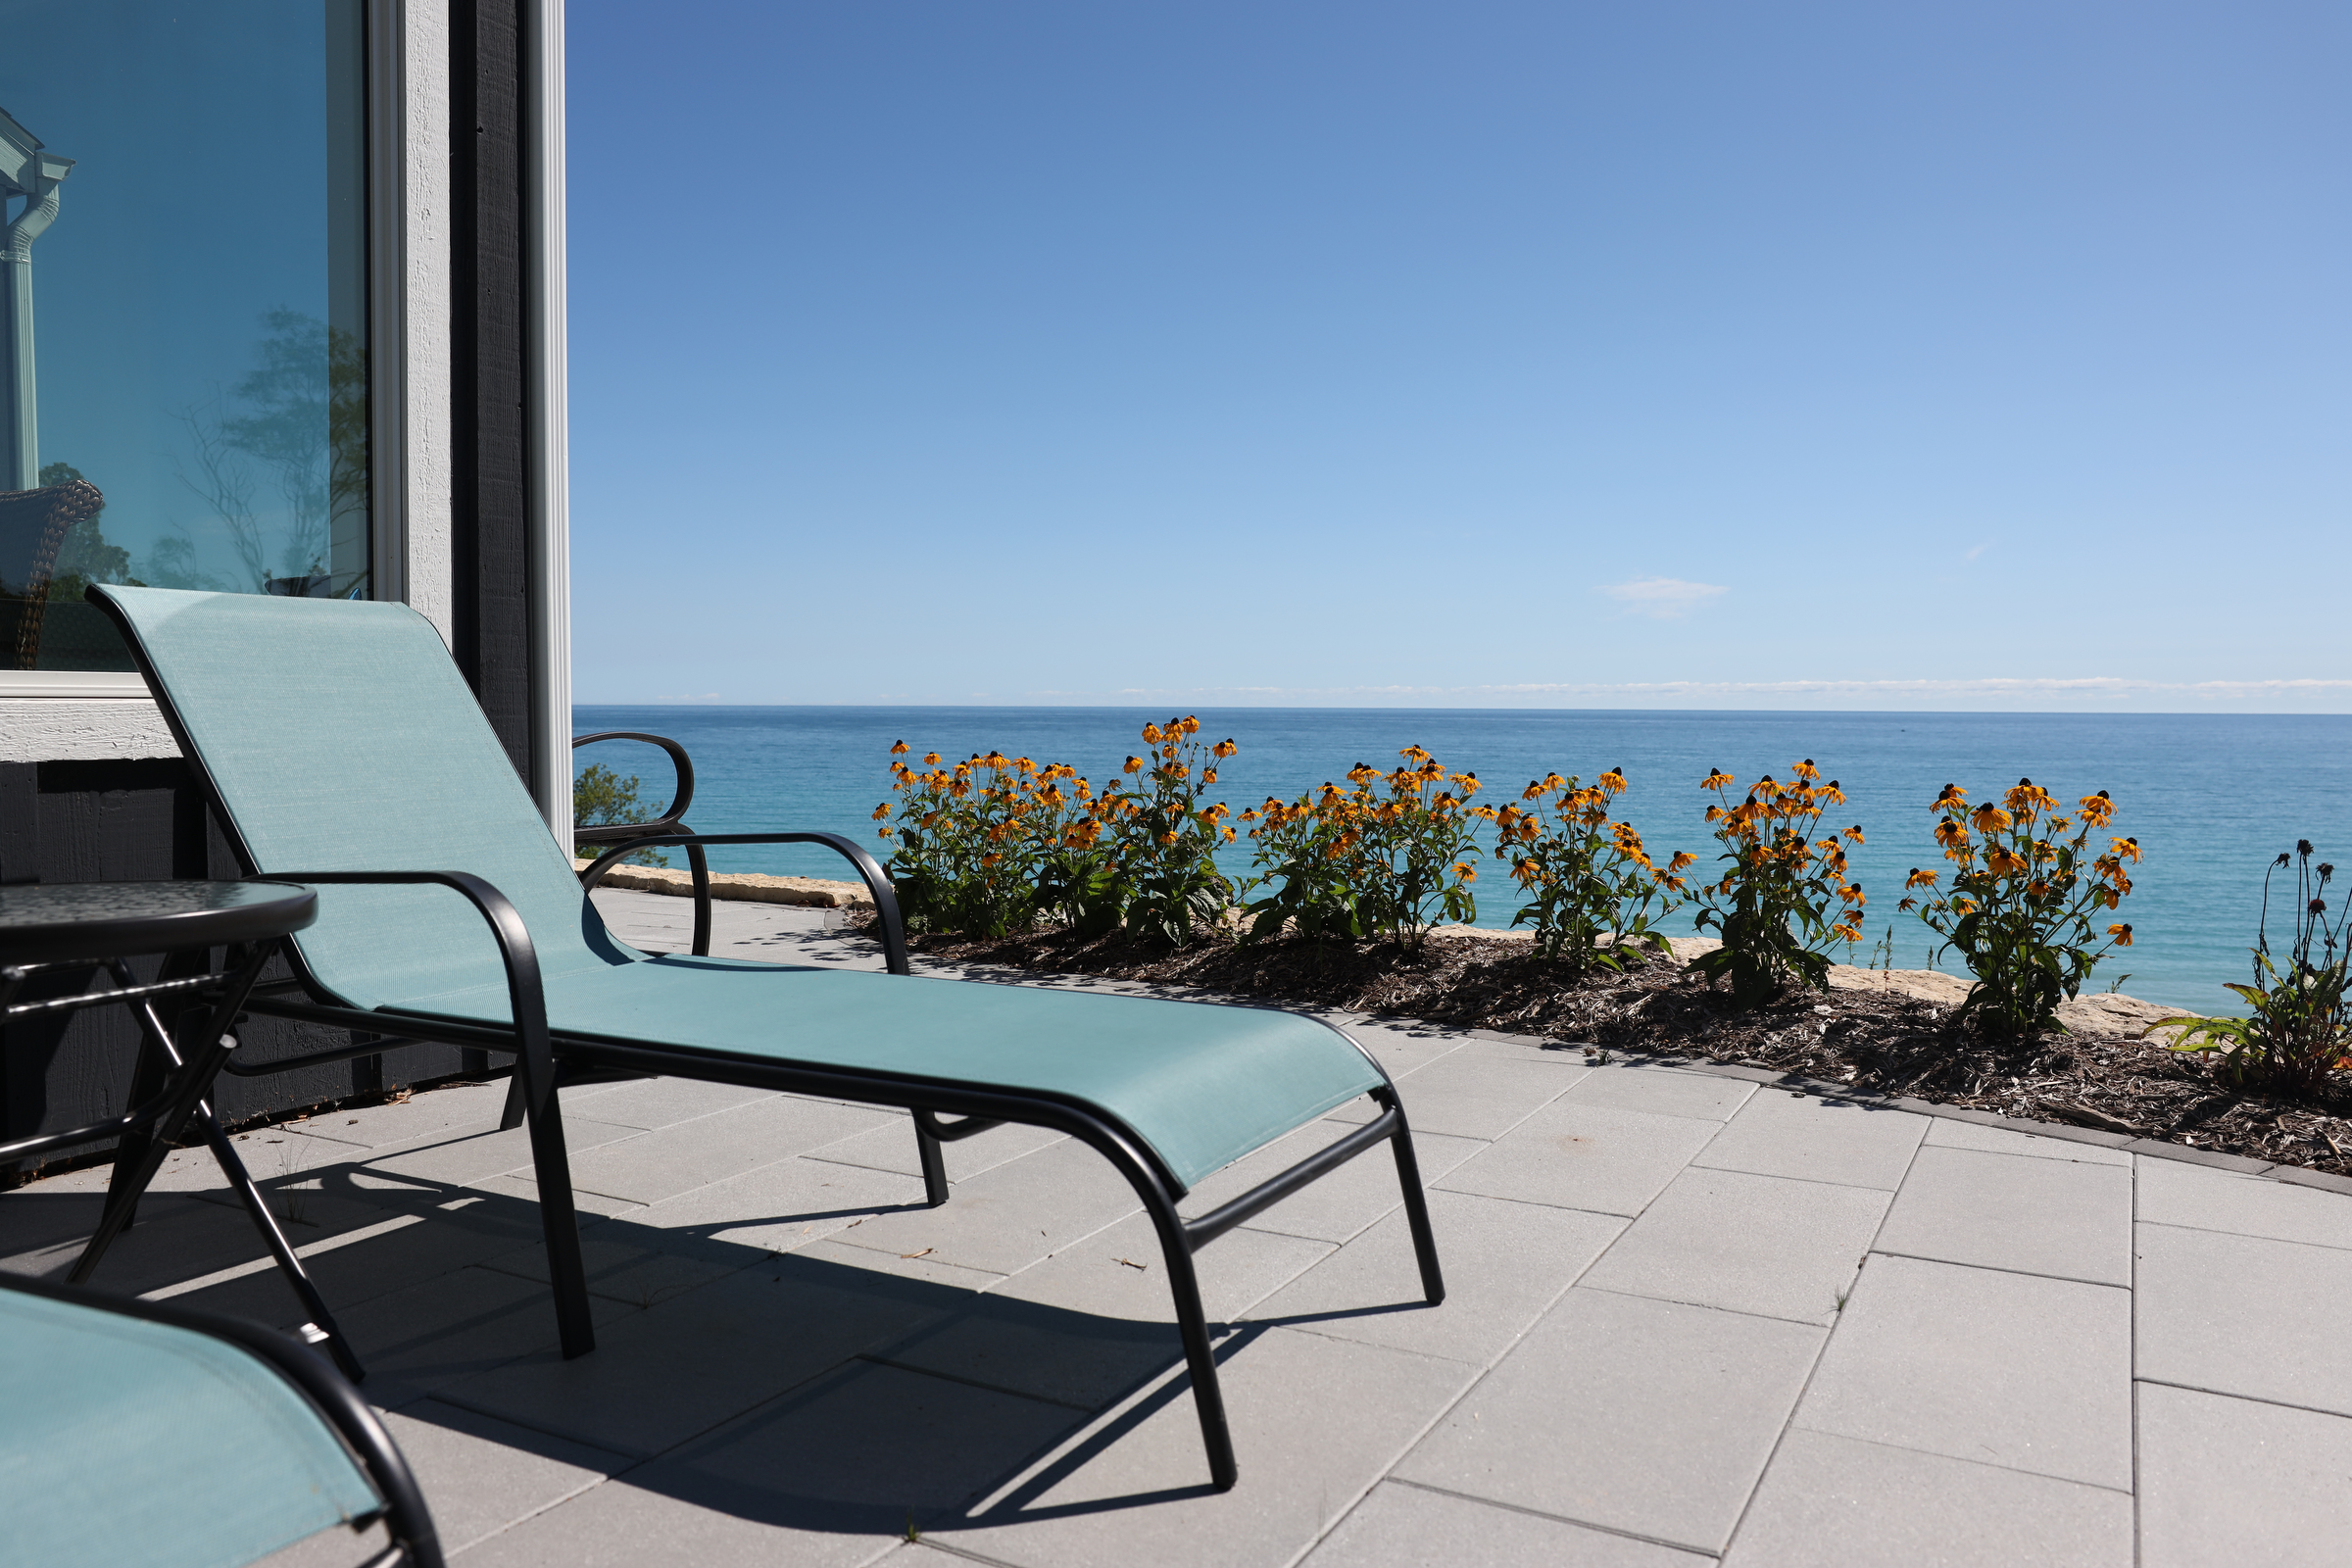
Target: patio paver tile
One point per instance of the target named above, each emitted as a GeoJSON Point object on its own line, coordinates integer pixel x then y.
{"type": "Point", "coordinates": [621, 1524]}
{"type": "Point", "coordinates": [857, 1456]}
{"type": "Point", "coordinates": [481, 1475]}
{"type": "Point", "coordinates": [2006, 1369]}
{"type": "Point", "coordinates": [1411, 1527]}
{"type": "Point", "coordinates": [1947, 1132]}
{"type": "Point", "coordinates": [1746, 1243]}
{"type": "Point", "coordinates": [652, 1102]}
{"type": "Point", "coordinates": [2237, 1482]}
{"type": "Point", "coordinates": [1505, 1263]}
{"type": "Point", "coordinates": [1662, 1092]}
{"type": "Point", "coordinates": [684, 1156]}
{"type": "Point", "coordinates": [784, 1206]}
{"type": "Point", "coordinates": [1082, 1328]}
{"type": "Point", "coordinates": [891, 1147]}
{"type": "Point", "coordinates": [1572, 1154]}
{"type": "Point", "coordinates": [2191, 1196]}
{"type": "Point", "coordinates": [1345, 1202]}
{"type": "Point", "coordinates": [2244, 1315]}
{"type": "Point", "coordinates": [459, 1158]}
{"type": "Point", "coordinates": [687, 1364]}
{"type": "Point", "coordinates": [2041, 1216]}
{"type": "Point", "coordinates": [1479, 1090]}
{"type": "Point", "coordinates": [1829, 1499]}
{"type": "Point", "coordinates": [1007, 1218]}
{"type": "Point", "coordinates": [1649, 1417]}
{"type": "Point", "coordinates": [1780, 1134]}
{"type": "Point", "coordinates": [453, 1326]}
{"type": "Point", "coordinates": [1317, 1421]}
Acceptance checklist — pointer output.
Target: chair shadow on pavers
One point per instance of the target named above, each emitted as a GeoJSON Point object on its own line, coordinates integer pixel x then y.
{"type": "Point", "coordinates": [448, 913]}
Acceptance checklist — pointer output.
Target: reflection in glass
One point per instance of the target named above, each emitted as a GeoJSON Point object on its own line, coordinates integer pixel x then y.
{"type": "Point", "coordinates": [199, 416]}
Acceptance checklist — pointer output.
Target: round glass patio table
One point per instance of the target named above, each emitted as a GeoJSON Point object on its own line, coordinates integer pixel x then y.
{"type": "Point", "coordinates": [66, 922]}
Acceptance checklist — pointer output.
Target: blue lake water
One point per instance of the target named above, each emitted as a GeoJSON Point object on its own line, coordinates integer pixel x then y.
{"type": "Point", "coordinates": [2212, 798]}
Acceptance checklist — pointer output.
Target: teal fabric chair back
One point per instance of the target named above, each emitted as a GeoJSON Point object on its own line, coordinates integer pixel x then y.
{"type": "Point", "coordinates": [339, 736]}
{"type": "Point", "coordinates": [131, 1442]}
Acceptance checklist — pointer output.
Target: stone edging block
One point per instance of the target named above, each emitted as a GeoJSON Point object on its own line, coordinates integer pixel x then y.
{"type": "Point", "coordinates": [747, 886]}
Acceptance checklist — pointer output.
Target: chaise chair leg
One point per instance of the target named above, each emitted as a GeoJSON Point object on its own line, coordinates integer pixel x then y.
{"type": "Point", "coordinates": [1416, 1207]}
{"type": "Point", "coordinates": [551, 1166]}
{"type": "Point", "coordinates": [510, 1117]}
{"type": "Point", "coordinates": [933, 1155]}
{"type": "Point", "coordinates": [1191, 1320]}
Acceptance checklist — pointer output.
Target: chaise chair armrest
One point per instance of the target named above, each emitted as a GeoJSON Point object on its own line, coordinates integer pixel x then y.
{"type": "Point", "coordinates": [877, 883]}
{"type": "Point", "coordinates": [526, 997]}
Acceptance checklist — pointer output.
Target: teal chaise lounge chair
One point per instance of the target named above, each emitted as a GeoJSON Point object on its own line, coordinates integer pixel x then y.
{"type": "Point", "coordinates": [342, 749]}
{"type": "Point", "coordinates": [139, 1432]}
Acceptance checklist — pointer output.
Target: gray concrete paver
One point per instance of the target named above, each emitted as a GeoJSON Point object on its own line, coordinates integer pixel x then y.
{"type": "Point", "coordinates": [1346, 1201]}
{"type": "Point", "coordinates": [1316, 1422]}
{"type": "Point", "coordinates": [1746, 1243]}
{"type": "Point", "coordinates": [2001, 1210]}
{"type": "Point", "coordinates": [1928, 1356]}
{"type": "Point", "coordinates": [1662, 1092]}
{"type": "Point", "coordinates": [1780, 1134]}
{"type": "Point", "coordinates": [687, 1155]}
{"type": "Point", "coordinates": [1604, 1159]}
{"type": "Point", "coordinates": [1096, 1319]}
{"type": "Point", "coordinates": [1648, 1417]}
{"type": "Point", "coordinates": [1005, 1220]}
{"type": "Point", "coordinates": [1478, 1090]}
{"type": "Point", "coordinates": [687, 1364]}
{"type": "Point", "coordinates": [460, 1158]}
{"type": "Point", "coordinates": [2192, 1195]}
{"type": "Point", "coordinates": [650, 1103]}
{"type": "Point", "coordinates": [2244, 1315]}
{"type": "Point", "coordinates": [1836, 1501]}
{"type": "Point", "coordinates": [2237, 1482]}
{"type": "Point", "coordinates": [1943, 1132]}
{"type": "Point", "coordinates": [1505, 1263]}
{"type": "Point", "coordinates": [892, 1148]}
{"type": "Point", "coordinates": [1403, 1526]}
{"type": "Point", "coordinates": [782, 1206]}
{"type": "Point", "coordinates": [482, 1475]}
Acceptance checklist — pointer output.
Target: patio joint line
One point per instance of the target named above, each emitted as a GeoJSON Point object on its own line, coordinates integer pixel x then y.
{"type": "Point", "coordinates": [883, 1358]}
{"type": "Point", "coordinates": [1958, 1458]}
{"type": "Point", "coordinates": [1556, 1518]}
{"type": "Point", "coordinates": [1711, 1306]}
{"type": "Point", "coordinates": [2249, 1399]}
{"type": "Point", "coordinates": [2246, 1236]}
{"type": "Point", "coordinates": [1996, 1268]}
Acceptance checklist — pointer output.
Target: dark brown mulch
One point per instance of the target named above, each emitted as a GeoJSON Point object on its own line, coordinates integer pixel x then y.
{"type": "Point", "coordinates": [1869, 1039]}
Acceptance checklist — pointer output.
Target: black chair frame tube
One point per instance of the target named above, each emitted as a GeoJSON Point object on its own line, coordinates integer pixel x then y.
{"type": "Point", "coordinates": [672, 819]}
{"type": "Point", "coordinates": [534, 1071]}
{"type": "Point", "coordinates": [870, 871]}
{"type": "Point", "coordinates": [1144, 1171]}
{"type": "Point", "coordinates": [406, 1517]}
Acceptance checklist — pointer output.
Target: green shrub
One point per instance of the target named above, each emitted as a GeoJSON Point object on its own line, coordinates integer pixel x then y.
{"type": "Point", "coordinates": [2020, 906]}
{"type": "Point", "coordinates": [1592, 882]}
{"type": "Point", "coordinates": [2300, 1031]}
{"type": "Point", "coordinates": [1165, 838]}
{"type": "Point", "coordinates": [1785, 895]}
{"type": "Point", "coordinates": [965, 855]}
{"type": "Point", "coordinates": [1391, 861]}
{"type": "Point", "coordinates": [601, 798]}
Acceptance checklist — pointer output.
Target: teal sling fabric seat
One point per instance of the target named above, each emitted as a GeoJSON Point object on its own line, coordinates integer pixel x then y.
{"type": "Point", "coordinates": [136, 1434]}
{"type": "Point", "coordinates": [342, 748]}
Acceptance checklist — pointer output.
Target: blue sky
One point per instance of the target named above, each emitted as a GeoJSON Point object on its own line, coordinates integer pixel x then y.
{"type": "Point", "coordinates": [1558, 355]}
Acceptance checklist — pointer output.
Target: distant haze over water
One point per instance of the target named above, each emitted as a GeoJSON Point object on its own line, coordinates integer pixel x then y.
{"type": "Point", "coordinates": [2212, 798]}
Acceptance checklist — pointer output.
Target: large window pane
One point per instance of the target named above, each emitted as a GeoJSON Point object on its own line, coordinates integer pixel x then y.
{"type": "Point", "coordinates": [182, 307]}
